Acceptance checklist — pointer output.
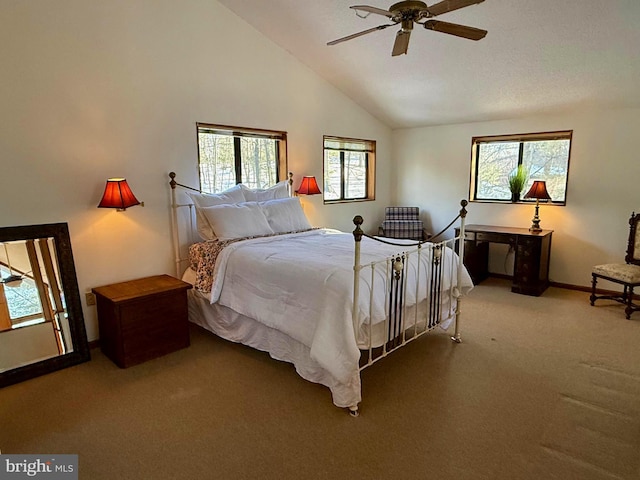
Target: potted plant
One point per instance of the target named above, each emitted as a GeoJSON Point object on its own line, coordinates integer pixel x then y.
{"type": "Point", "coordinates": [517, 181]}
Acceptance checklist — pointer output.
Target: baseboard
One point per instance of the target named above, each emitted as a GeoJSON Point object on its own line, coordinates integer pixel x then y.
{"type": "Point", "coordinates": [503, 276]}
{"type": "Point", "coordinates": [94, 344]}
{"type": "Point", "coordinates": [580, 288]}
{"type": "Point", "coordinates": [599, 291]}
{"type": "Point", "coordinates": [569, 286]}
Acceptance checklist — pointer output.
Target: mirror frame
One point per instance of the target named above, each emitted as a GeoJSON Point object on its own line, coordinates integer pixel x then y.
{"type": "Point", "coordinates": [62, 242]}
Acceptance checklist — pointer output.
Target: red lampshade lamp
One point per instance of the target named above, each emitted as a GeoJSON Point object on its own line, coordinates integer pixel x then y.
{"type": "Point", "coordinates": [538, 191]}
{"type": "Point", "coordinates": [118, 195]}
{"type": "Point", "coordinates": [309, 186]}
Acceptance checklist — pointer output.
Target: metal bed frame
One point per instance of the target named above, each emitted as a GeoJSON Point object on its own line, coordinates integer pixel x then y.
{"type": "Point", "coordinates": [399, 326]}
{"type": "Point", "coordinates": [403, 323]}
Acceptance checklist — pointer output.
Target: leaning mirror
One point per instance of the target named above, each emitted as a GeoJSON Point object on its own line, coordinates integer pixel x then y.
{"type": "Point", "coordinates": [41, 323]}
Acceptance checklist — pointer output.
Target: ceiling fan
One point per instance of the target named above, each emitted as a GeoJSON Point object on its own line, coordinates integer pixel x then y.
{"type": "Point", "coordinates": [409, 12]}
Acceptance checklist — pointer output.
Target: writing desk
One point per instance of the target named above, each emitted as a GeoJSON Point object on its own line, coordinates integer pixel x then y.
{"type": "Point", "coordinates": [532, 255]}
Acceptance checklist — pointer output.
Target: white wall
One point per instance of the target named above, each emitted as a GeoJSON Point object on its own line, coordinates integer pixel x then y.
{"type": "Point", "coordinates": [434, 165]}
{"type": "Point", "coordinates": [27, 345]}
{"type": "Point", "coordinates": [94, 89]}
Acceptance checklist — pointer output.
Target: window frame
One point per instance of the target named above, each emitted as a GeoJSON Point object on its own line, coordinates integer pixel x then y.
{"type": "Point", "coordinates": [239, 132]}
{"type": "Point", "coordinates": [522, 138]}
{"type": "Point", "coordinates": [369, 149]}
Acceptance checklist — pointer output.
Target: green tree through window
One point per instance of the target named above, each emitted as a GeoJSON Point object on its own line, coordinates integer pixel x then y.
{"type": "Point", "coordinates": [231, 155]}
{"type": "Point", "coordinates": [349, 169]}
{"type": "Point", "coordinates": [545, 156]}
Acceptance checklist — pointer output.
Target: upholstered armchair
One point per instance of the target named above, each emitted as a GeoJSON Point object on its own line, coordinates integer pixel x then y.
{"type": "Point", "coordinates": [402, 222]}
{"type": "Point", "coordinates": [626, 274]}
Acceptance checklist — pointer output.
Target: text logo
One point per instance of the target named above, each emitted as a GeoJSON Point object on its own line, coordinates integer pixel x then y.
{"type": "Point", "coordinates": [50, 467]}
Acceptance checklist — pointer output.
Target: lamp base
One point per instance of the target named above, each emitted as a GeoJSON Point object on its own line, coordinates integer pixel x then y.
{"type": "Point", "coordinates": [535, 226]}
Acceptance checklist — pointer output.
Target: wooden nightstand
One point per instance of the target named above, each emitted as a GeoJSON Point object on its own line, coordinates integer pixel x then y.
{"type": "Point", "coordinates": [142, 319]}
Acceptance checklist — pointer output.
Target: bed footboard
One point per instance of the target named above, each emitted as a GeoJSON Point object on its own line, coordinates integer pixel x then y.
{"type": "Point", "coordinates": [422, 285]}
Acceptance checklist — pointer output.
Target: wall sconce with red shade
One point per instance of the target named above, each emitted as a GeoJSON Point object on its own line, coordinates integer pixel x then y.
{"type": "Point", "coordinates": [538, 191]}
{"type": "Point", "coordinates": [118, 195]}
{"type": "Point", "coordinates": [309, 186]}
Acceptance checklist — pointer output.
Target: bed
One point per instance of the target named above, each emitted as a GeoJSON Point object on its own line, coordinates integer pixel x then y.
{"type": "Point", "coordinates": [329, 302]}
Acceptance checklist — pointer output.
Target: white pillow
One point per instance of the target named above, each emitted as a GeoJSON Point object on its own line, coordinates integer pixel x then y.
{"type": "Point", "coordinates": [237, 220]}
{"type": "Point", "coordinates": [201, 200]}
{"type": "Point", "coordinates": [285, 215]}
{"type": "Point", "coordinates": [279, 190]}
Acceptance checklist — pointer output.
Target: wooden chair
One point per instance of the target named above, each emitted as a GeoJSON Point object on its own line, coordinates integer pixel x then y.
{"type": "Point", "coordinates": [626, 274]}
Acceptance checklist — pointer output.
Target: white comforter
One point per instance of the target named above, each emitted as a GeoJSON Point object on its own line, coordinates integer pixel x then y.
{"type": "Point", "coordinates": [302, 284]}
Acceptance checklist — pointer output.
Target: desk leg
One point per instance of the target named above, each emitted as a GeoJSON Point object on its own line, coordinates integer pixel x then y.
{"type": "Point", "coordinates": [476, 259]}
{"type": "Point", "coordinates": [531, 265]}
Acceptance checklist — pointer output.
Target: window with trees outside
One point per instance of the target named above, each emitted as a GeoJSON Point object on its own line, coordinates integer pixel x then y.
{"type": "Point", "coordinates": [231, 155]}
{"type": "Point", "coordinates": [349, 169]}
{"type": "Point", "coordinates": [543, 156]}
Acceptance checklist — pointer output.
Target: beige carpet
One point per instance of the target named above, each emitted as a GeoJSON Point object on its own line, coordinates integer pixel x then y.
{"type": "Point", "coordinates": [540, 388]}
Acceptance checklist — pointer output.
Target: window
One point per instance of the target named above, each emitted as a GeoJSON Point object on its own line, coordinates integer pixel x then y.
{"type": "Point", "coordinates": [544, 156]}
{"type": "Point", "coordinates": [349, 169]}
{"type": "Point", "coordinates": [22, 300]}
{"type": "Point", "coordinates": [231, 155]}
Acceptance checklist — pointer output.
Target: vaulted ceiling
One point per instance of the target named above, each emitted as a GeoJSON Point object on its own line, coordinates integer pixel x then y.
{"type": "Point", "coordinates": [539, 57]}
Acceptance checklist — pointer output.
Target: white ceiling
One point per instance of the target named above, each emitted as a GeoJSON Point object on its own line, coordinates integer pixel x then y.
{"type": "Point", "coordinates": [539, 57]}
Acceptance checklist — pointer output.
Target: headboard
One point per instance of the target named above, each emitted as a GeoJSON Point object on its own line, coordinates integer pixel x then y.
{"type": "Point", "coordinates": [183, 219]}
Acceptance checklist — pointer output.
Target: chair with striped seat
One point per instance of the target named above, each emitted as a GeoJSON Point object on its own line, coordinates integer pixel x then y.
{"type": "Point", "coordinates": [626, 274]}
{"type": "Point", "coordinates": [402, 222]}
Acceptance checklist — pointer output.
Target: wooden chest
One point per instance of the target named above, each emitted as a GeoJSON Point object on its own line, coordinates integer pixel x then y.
{"type": "Point", "coordinates": [142, 319]}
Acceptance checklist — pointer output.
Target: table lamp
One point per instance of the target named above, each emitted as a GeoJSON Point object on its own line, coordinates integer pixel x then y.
{"type": "Point", "coordinates": [538, 191]}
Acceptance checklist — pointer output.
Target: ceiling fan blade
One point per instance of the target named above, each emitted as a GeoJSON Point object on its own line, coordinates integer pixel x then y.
{"type": "Point", "coordinates": [378, 11]}
{"type": "Point", "coordinates": [449, 6]}
{"type": "Point", "coordinates": [359, 34]}
{"type": "Point", "coordinates": [455, 29]}
{"type": "Point", "coordinates": [401, 45]}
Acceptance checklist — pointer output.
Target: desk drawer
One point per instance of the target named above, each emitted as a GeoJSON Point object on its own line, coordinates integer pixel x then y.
{"type": "Point", "coordinates": [468, 235]}
{"type": "Point", "coordinates": [495, 238]}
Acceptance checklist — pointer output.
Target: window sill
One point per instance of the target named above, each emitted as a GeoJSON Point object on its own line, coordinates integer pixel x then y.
{"type": "Point", "coordinates": [355, 200]}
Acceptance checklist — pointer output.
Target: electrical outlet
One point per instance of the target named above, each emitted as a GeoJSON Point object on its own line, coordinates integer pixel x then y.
{"type": "Point", "coordinates": [90, 298]}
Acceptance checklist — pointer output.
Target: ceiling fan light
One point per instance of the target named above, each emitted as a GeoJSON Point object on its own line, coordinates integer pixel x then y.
{"type": "Point", "coordinates": [407, 25]}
